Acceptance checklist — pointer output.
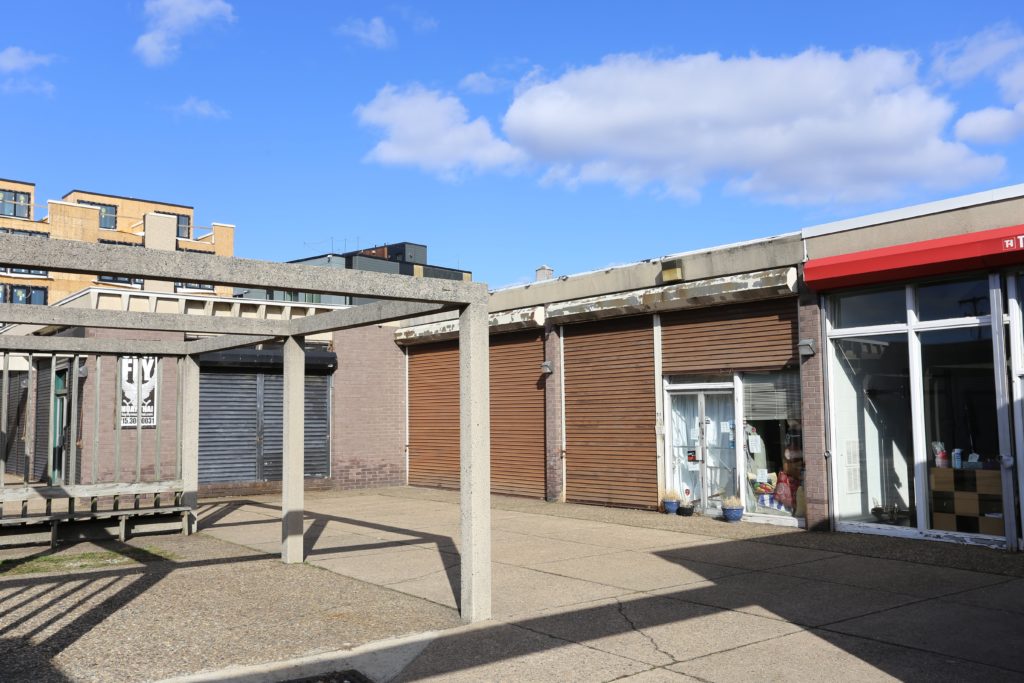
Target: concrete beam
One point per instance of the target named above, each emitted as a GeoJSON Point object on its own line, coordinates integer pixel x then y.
{"type": "Point", "coordinates": [128, 320]}
{"type": "Point", "coordinates": [32, 344]}
{"type": "Point", "coordinates": [762, 284]}
{"type": "Point", "coordinates": [357, 316]}
{"type": "Point", "coordinates": [531, 318]}
{"type": "Point", "coordinates": [293, 465]}
{"type": "Point", "coordinates": [475, 464]}
{"type": "Point", "coordinates": [79, 257]}
{"type": "Point", "coordinates": [224, 342]}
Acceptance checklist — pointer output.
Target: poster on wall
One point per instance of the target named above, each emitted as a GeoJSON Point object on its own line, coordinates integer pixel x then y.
{"type": "Point", "coordinates": [138, 388]}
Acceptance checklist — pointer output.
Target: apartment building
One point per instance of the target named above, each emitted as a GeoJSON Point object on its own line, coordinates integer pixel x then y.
{"type": "Point", "coordinates": [106, 219]}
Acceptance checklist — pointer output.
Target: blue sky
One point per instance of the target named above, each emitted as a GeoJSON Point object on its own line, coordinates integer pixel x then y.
{"type": "Point", "coordinates": [507, 135]}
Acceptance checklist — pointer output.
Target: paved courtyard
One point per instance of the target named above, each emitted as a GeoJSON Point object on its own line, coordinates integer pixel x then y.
{"type": "Point", "coordinates": [580, 593]}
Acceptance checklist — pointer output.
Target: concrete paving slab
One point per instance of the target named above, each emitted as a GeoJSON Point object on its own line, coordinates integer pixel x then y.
{"type": "Point", "coordinates": [791, 599]}
{"type": "Point", "coordinates": [822, 656]}
{"type": "Point", "coordinates": [629, 537]}
{"type": "Point", "coordinates": [744, 554]}
{"type": "Point", "coordinates": [1008, 596]}
{"type": "Point", "coordinates": [510, 653]}
{"type": "Point", "coordinates": [524, 550]}
{"type": "Point", "coordinates": [539, 525]}
{"type": "Point", "coordinates": [891, 575]}
{"type": "Point", "coordinates": [656, 630]}
{"type": "Point", "coordinates": [516, 590]}
{"type": "Point", "coordinates": [392, 566]}
{"type": "Point", "coordinates": [637, 571]}
{"type": "Point", "coordinates": [985, 636]}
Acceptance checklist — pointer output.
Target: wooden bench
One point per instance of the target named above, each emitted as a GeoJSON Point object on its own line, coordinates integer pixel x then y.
{"type": "Point", "coordinates": [93, 492]}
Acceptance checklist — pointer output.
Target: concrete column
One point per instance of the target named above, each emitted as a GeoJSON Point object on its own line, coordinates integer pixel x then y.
{"type": "Point", "coordinates": [190, 435]}
{"type": "Point", "coordinates": [475, 463]}
{"type": "Point", "coordinates": [293, 465]}
{"type": "Point", "coordinates": [554, 482]}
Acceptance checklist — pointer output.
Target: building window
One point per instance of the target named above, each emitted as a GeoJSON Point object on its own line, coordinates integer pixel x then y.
{"type": "Point", "coordinates": [108, 214]}
{"type": "Point", "coordinates": [203, 286]}
{"type": "Point", "coordinates": [16, 204]}
{"type": "Point", "coordinates": [311, 298]}
{"type": "Point", "coordinates": [184, 224]}
{"type": "Point", "coordinates": [19, 294]}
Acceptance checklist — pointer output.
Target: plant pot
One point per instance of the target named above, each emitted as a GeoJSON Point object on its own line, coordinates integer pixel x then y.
{"type": "Point", "coordinates": [671, 506]}
{"type": "Point", "coordinates": [732, 514]}
{"type": "Point", "coordinates": [686, 510]}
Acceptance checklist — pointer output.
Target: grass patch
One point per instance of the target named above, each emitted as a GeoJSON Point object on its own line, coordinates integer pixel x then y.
{"type": "Point", "coordinates": [41, 564]}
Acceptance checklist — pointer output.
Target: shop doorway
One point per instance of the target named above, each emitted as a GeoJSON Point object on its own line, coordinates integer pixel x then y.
{"type": "Point", "coordinates": [702, 443]}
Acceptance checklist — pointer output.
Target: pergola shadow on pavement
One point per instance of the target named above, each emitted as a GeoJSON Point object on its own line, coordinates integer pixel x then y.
{"type": "Point", "coordinates": [604, 601]}
{"type": "Point", "coordinates": [399, 297]}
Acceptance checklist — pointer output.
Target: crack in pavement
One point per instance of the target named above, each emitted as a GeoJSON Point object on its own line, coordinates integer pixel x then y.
{"type": "Point", "coordinates": [632, 625]}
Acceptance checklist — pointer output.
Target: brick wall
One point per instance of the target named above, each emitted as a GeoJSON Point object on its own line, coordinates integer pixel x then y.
{"type": "Point", "coordinates": [554, 457]}
{"type": "Point", "coordinates": [812, 398]}
{"type": "Point", "coordinates": [368, 426]}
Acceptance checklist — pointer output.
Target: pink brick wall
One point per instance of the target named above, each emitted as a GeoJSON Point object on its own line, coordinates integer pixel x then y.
{"type": "Point", "coordinates": [368, 428]}
{"type": "Point", "coordinates": [812, 398]}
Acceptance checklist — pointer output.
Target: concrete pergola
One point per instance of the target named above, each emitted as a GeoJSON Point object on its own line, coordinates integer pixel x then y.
{"type": "Point", "coordinates": [401, 297]}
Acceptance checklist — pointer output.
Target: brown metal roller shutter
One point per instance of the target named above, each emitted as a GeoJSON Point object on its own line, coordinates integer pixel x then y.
{"type": "Point", "coordinates": [611, 446]}
{"type": "Point", "coordinates": [434, 415]}
{"type": "Point", "coordinates": [517, 415]}
{"type": "Point", "coordinates": [760, 335]}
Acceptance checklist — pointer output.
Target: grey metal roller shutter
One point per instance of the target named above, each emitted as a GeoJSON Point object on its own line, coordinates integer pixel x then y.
{"type": "Point", "coordinates": [228, 423]}
{"type": "Point", "coordinates": [17, 400]}
{"type": "Point", "coordinates": [317, 427]}
{"type": "Point", "coordinates": [42, 436]}
{"type": "Point", "coordinates": [272, 407]}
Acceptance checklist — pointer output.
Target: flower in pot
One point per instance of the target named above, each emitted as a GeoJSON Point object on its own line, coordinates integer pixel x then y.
{"type": "Point", "coordinates": [671, 501]}
{"type": "Point", "coordinates": [686, 504]}
{"type": "Point", "coordinates": [732, 509]}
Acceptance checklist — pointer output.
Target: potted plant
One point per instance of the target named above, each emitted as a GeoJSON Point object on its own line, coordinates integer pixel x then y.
{"type": "Point", "coordinates": [686, 504]}
{"type": "Point", "coordinates": [732, 509]}
{"type": "Point", "coordinates": [671, 501]}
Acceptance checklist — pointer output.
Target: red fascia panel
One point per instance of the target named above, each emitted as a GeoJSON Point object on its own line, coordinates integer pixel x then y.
{"type": "Point", "coordinates": [989, 249]}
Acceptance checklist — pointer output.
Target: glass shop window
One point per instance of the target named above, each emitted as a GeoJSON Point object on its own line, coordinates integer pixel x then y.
{"type": "Point", "coordinates": [873, 462]}
{"type": "Point", "coordinates": [874, 307]}
{"type": "Point", "coordinates": [773, 444]}
{"type": "Point", "coordinates": [953, 299]}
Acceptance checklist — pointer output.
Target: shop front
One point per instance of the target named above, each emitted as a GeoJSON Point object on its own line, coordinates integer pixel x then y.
{"type": "Point", "coordinates": [732, 409]}
{"type": "Point", "coordinates": [924, 365]}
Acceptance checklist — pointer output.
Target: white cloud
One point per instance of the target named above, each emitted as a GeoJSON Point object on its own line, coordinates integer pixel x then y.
{"type": "Point", "coordinates": [1011, 82]}
{"type": "Point", "coordinates": [479, 82]}
{"type": "Point", "coordinates": [13, 59]}
{"type": "Point", "coordinates": [811, 128]}
{"type": "Point", "coordinates": [960, 61]}
{"type": "Point", "coordinates": [203, 109]}
{"type": "Point", "coordinates": [432, 131]}
{"type": "Point", "coordinates": [171, 20]}
{"type": "Point", "coordinates": [26, 86]}
{"type": "Point", "coordinates": [373, 33]}
{"type": "Point", "coordinates": [991, 125]}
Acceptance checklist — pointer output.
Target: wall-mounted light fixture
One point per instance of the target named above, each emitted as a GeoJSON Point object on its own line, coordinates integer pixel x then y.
{"type": "Point", "coordinates": [546, 368]}
{"type": "Point", "coordinates": [805, 347]}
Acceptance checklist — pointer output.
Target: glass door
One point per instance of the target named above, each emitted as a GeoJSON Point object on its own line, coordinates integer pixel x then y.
{"type": "Point", "coordinates": [703, 446]}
